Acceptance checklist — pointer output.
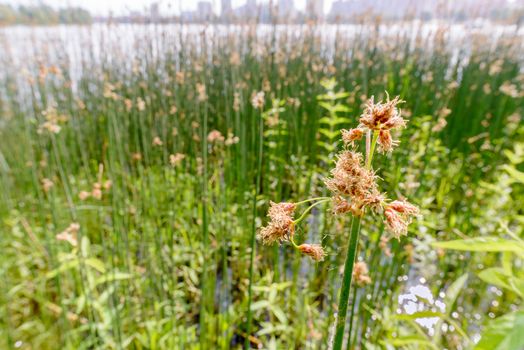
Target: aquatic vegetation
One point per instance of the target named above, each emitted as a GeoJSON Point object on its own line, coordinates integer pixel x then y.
{"type": "Point", "coordinates": [139, 166]}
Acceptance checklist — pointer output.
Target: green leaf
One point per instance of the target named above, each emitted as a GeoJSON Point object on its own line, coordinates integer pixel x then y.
{"type": "Point", "coordinates": [482, 244]}
{"type": "Point", "coordinates": [329, 134]}
{"type": "Point", "coordinates": [499, 277]}
{"type": "Point", "coordinates": [504, 333]}
{"type": "Point", "coordinates": [453, 291]}
{"type": "Point", "coordinates": [113, 276]}
{"type": "Point", "coordinates": [416, 315]}
{"type": "Point", "coordinates": [96, 264]}
{"type": "Point", "coordinates": [516, 175]}
{"type": "Point", "coordinates": [261, 304]}
{"type": "Point", "coordinates": [411, 340]}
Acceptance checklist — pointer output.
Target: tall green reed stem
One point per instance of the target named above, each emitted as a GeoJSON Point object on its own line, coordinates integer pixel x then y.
{"type": "Point", "coordinates": [350, 261]}
{"type": "Point", "coordinates": [346, 283]}
{"type": "Point", "coordinates": [253, 230]}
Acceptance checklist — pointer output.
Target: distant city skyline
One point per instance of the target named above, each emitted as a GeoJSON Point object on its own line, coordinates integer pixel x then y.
{"type": "Point", "coordinates": [178, 7]}
{"type": "Point", "coordinates": [120, 7]}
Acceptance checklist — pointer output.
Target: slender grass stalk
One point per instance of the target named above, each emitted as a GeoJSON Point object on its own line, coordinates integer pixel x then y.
{"type": "Point", "coordinates": [205, 234]}
{"type": "Point", "coordinates": [346, 283]}
{"type": "Point", "coordinates": [253, 230]}
{"type": "Point", "coordinates": [350, 261]}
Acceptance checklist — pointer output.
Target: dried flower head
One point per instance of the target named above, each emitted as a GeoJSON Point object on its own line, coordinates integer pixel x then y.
{"type": "Point", "coordinates": [258, 99]}
{"type": "Point", "coordinates": [360, 273]}
{"type": "Point", "coordinates": [70, 234]}
{"type": "Point", "coordinates": [398, 216]}
{"type": "Point", "coordinates": [350, 178]}
{"type": "Point", "coordinates": [281, 225]}
{"type": "Point", "coordinates": [215, 136]}
{"type": "Point", "coordinates": [157, 141]}
{"type": "Point", "coordinates": [83, 195]}
{"type": "Point", "coordinates": [382, 116]}
{"type": "Point", "coordinates": [385, 141]}
{"type": "Point", "coordinates": [340, 205]}
{"type": "Point", "coordinates": [350, 136]}
{"type": "Point", "coordinates": [176, 159]}
{"type": "Point", "coordinates": [47, 184]}
{"type": "Point", "coordinates": [140, 104]}
{"type": "Point", "coordinates": [231, 139]}
{"type": "Point", "coordinates": [314, 251]}
{"type": "Point", "coordinates": [201, 90]}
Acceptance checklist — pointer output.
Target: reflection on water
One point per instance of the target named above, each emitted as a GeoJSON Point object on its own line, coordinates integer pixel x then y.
{"type": "Point", "coordinates": [418, 299]}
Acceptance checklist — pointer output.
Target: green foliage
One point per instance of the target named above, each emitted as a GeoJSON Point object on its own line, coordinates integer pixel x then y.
{"type": "Point", "coordinates": [43, 15]}
{"type": "Point", "coordinates": [171, 233]}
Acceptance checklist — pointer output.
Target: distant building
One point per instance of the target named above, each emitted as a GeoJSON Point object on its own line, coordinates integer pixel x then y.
{"type": "Point", "coordinates": [286, 8]}
{"type": "Point", "coordinates": [315, 9]}
{"type": "Point", "coordinates": [226, 9]}
{"type": "Point", "coordinates": [348, 10]}
{"type": "Point", "coordinates": [247, 11]}
{"type": "Point", "coordinates": [154, 12]}
{"type": "Point", "coordinates": [204, 10]}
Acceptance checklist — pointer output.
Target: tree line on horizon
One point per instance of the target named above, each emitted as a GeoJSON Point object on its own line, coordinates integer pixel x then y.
{"type": "Point", "coordinates": [43, 15]}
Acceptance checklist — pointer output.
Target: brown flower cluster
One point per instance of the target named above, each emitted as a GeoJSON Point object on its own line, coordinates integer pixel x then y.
{"type": "Point", "coordinates": [380, 117]}
{"type": "Point", "coordinates": [97, 190]}
{"type": "Point", "coordinates": [360, 273]}
{"type": "Point", "coordinates": [351, 179]}
{"type": "Point", "coordinates": [70, 234]}
{"type": "Point", "coordinates": [314, 251]}
{"type": "Point", "coordinates": [398, 215]}
{"type": "Point", "coordinates": [281, 226]}
{"type": "Point", "coordinates": [354, 185]}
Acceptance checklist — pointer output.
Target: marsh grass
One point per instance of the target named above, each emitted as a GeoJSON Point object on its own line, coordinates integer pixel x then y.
{"type": "Point", "coordinates": [166, 256]}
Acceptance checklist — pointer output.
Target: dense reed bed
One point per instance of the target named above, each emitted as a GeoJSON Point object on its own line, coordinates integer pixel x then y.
{"type": "Point", "coordinates": [137, 164]}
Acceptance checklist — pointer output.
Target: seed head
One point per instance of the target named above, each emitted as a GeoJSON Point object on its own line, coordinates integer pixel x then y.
{"type": "Point", "coordinates": [350, 178]}
{"type": "Point", "coordinates": [385, 141]}
{"type": "Point", "coordinates": [360, 273]}
{"type": "Point", "coordinates": [215, 136]}
{"type": "Point", "coordinates": [314, 251]}
{"type": "Point", "coordinates": [83, 195]}
{"type": "Point", "coordinates": [176, 159]}
{"type": "Point", "coordinates": [281, 225]}
{"type": "Point", "coordinates": [350, 136]}
{"type": "Point", "coordinates": [47, 184]}
{"type": "Point", "coordinates": [398, 215]}
{"type": "Point", "coordinates": [70, 234]}
{"type": "Point", "coordinates": [258, 99]}
{"type": "Point", "coordinates": [340, 205]}
{"type": "Point", "coordinates": [157, 141]}
{"type": "Point", "coordinates": [201, 91]}
{"type": "Point", "coordinates": [382, 116]}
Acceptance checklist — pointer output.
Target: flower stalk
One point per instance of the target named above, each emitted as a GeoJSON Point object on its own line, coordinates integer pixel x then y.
{"type": "Point", "coordinates": [354, 188]}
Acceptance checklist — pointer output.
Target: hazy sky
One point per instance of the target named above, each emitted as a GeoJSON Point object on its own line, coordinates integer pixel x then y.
{"type": "Point", "coordinates": [123, 6]}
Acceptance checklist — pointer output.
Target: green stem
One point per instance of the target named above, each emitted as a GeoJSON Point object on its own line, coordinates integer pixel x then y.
{"type": "Point", "coordinates": [372, 151]}
{"type": "Point", "coordinates": [247, 344]}
{"type": "Point", "coordinates": [297, 221]}
{"type": "Point", "coordinates": [311, 200]}
{"type": "Point", "coordinates": [346, 284]}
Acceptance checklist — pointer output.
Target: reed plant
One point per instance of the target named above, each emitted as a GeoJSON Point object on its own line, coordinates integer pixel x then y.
{"type": "Point", "coordinates": [137, 164]}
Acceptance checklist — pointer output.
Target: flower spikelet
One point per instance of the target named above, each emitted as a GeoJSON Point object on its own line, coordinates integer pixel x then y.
{"type": "Point", "coordinates": [382, 116]}
{"type": "Point", "coordinates": [350, 136]}
{"type": "Point", "coordinates": [360, 273]}
{"type": "Point", "coordinates": [350, 178]}
{"type": "Point", "coordinates": [314, 251]}
{"type": "Point", "coordinates": [281, 225]}
{"type": "Point", "coordinates": [398, 215]}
